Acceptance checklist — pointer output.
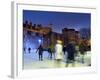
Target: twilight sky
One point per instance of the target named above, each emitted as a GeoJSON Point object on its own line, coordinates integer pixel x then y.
{"type": "Point", "coordinates": [58, 19]}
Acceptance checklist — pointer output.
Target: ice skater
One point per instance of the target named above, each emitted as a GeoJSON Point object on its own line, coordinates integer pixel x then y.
{"type": "Point", "coordinates": [58, 53]}
{"type": "Point", "coordinates": [24, 50]}
{"type": "Point", "coordinates": [64, 49]}
{"type": "Point", "coordinates": [70, 54]}
{"type": "Point", "coordinates": [40, 52]}
{"type": "Point", "coordinates": [50, 53]}
{"type": "Point", "coordinates": [58, 50]}
{"type": "Point", "coordinates": [29, 50]}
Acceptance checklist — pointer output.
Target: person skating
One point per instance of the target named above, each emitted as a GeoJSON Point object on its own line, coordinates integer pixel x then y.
{"type": "Point", "coordinates": [64, 49]}
{"type": "Point", "coordinates": [40, 52]}
{"type": "Point", "coordinates": [50, 53]}
{"type": "Point", "coordinates": [58, 51]}
{"type": "Point", "coordinates": [70, 54]}
{"type": "Point", "coordinates": [29, 50]}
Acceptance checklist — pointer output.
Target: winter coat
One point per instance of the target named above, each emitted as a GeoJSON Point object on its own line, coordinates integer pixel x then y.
{"type": "Point", "coordinates": [58, 51]}
{"type": "Point", "coordinates": [71, 51]}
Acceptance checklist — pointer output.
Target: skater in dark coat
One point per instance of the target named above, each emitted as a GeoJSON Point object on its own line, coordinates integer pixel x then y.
{"type": "Point", "coordinates": [29, 50]}
{"type": "Point", "coordinates": [40, 52]}
{"type": "Point", "coordinates": [64, 49]}
{"type": "Point", "coordinates": [70, 53]}
{"type": "Point", "coordinates": [50, 53]}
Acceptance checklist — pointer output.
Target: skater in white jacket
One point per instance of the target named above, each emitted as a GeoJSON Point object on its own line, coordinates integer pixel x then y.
{"type": "Point", "coordinates": [58, 50]}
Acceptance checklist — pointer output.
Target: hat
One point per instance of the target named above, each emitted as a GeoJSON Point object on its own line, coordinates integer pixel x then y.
{"type": "Point", "coordinates": [59, 41]}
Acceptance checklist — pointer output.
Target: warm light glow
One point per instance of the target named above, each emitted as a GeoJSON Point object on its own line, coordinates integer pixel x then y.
{"type": "Point", "coordinates": [59, 41]}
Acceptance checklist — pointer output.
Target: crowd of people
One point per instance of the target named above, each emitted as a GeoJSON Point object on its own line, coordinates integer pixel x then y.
{"type": "Point", "coordinates": [70, 51]}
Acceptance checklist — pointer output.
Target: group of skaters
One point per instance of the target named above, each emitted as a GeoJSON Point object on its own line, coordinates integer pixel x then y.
{"type": "Point", "coordinates": [70, 51]}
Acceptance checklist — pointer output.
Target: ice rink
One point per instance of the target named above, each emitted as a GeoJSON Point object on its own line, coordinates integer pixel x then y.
{"type": "Point", "coordinates": [31, 61]}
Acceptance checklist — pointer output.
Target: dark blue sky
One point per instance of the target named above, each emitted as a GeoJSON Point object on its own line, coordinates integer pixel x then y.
{"type": "Point", "coordinates": [58, 19]}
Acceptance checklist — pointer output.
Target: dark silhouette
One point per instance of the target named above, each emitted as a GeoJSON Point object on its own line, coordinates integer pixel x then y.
{"type": "Point", "coordinates": [50, 52]}
{"type": "Point", "coordinates": [64, 49]}
{"type": "Point", "coordinates": [29, 49]}
{"type": "Point", "coordinates": [71, 53]}
{"type": "Point", "coordinates": [24, 50]}
{"type": "Point", "coordinates": [82, 49]}
{"type": "Point", "coordinates": [40, 49]}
